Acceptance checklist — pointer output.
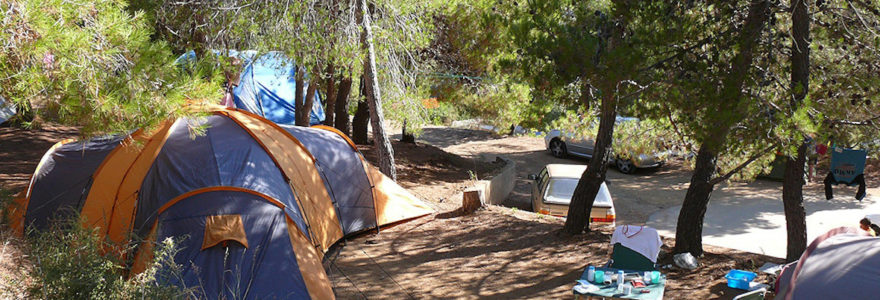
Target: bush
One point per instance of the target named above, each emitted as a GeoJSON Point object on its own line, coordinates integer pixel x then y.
{"type": "Point", "coordinates": [69, 263]}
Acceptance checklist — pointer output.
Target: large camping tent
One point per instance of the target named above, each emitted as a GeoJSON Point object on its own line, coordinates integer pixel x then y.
{"type": "Point", "coordinates": [841, 264]}
{"type": "Point", "coordinates": [257, 206]}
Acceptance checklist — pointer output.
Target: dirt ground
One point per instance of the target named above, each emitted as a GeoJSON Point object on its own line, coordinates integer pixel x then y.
{"type": "Point", "coordinates": [500, 252]}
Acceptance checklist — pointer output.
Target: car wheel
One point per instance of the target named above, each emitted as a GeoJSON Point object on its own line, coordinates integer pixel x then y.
{"type": "Point", "coordinates": [557, 148]}
{"type": "Point", "coordinates": [625, 166]}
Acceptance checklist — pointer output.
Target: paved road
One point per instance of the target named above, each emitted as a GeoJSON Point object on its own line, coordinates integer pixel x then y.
{"type": "Point", "coordinates": [757, 223]}
{"type": "Point", "coordinates": [747, 217]}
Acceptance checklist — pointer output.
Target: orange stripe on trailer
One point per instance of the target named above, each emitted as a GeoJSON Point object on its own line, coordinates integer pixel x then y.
{"type": "Point", "coordinates": [334, 130]}
{"type": "Point", "coordinates": [17, 210]}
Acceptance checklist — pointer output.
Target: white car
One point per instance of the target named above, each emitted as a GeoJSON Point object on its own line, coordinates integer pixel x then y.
{"type": "Point", "coordinates": [561, 144]}
{"type": "Point", "coordinates": [553, 188]}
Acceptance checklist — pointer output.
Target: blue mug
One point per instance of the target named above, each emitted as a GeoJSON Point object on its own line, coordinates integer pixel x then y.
{"type": "Point", "coordinates": [655, 277]}
{"type": "Point", "coordinates": [599, 277]}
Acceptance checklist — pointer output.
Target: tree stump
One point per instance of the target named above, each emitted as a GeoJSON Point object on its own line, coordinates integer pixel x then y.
{"type": "Point", "coordinates": [471, 200]}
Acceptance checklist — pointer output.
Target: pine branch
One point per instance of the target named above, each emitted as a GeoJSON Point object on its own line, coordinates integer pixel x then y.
{"type": "Point", "coordinates": [866, 122]}
{"type": "Point", "coordinates": [683, 51]}
{"type": "Point", "coordinates": [742, 166]}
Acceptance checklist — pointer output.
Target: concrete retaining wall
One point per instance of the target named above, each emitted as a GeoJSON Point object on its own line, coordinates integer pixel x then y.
{"type": "Point", "coordinates": [494, 191]}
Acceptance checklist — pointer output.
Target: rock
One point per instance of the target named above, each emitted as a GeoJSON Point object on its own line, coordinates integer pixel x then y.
{"type": "Point", "coordinates": [685, 261]}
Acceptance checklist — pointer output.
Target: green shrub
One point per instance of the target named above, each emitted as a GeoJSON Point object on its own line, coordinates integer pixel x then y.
{"type": "Point", "coordinates": [69, 264]}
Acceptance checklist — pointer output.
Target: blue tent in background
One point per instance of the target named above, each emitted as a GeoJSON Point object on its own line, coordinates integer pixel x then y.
{"type": "Point", "coordinates": [267, 86]}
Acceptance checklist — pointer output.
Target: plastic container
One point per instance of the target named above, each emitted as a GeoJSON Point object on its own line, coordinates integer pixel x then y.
{"type": "Point", "coordinates": [599, 277]}
{"type": "Point", "coordinates": [620, 279]}
{"type": "Point", "coordinates": [591, 273]}
{"type": "Point", "coordinates": [739, 279]}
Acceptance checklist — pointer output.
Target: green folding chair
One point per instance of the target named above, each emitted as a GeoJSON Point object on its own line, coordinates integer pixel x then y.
{"type": "Point", "coordinates": [628, 259]}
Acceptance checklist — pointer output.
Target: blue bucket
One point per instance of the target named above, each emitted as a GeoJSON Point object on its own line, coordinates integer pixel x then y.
{"type": "Point", "coordinates": [739, 279]}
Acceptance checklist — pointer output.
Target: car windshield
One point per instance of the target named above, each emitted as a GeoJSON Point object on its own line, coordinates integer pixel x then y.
{"type": "Point", "coordinates": [560, 190]}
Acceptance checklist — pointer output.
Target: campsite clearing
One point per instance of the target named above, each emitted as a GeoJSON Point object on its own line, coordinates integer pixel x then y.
{"type": "Point", "coordinates": [495, 253]}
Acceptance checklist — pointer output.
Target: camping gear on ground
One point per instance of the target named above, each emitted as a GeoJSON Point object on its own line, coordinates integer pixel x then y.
{"type": "Point", "coordinates": [609, 289]}
{"type": "Point", "coordinates": [258, 203]}
{"type": "Point", "coordinates": [635, 248]}
{"type": "Point", "coordinates": [847, 167]}
{"type": "Point", "coordinates": [739, 279]}
{"type": "Point", "coordinates": [843, 263]}
{"type": "Point", "coordinates": [685, 261]}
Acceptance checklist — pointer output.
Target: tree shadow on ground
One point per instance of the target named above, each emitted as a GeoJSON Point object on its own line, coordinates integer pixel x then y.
{"type": "Point", "coordinates": [488, 263]}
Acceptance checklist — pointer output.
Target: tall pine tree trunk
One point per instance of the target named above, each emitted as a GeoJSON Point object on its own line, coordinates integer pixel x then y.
{"type": "Point", "coordinates": [793, 204]}
{"type": "Point", "coordinates": [585, 192]}
{"type": "Point", "coordinates": [342, 102]}
{"type": "Point", "coordinates": [298, 97]}
{"type": "Point", "coordinates": [330, 100]}
{"type": "Point", "coordinates": [306, 115]}
{"type": "Point", "coordinates": [689, 230]}
{"type": "Point", "coordinates": [581, 205]}
{"type": "Point", "coordinates": [384, 152]}
{"type": "Point", "coordinates": [359, 124]}
{"type": "Point", "coordinates": [793, 182]}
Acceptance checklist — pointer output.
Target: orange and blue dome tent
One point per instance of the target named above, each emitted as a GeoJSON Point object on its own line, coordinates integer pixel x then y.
{"type": "Point", "coordinates": [258, 203]}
